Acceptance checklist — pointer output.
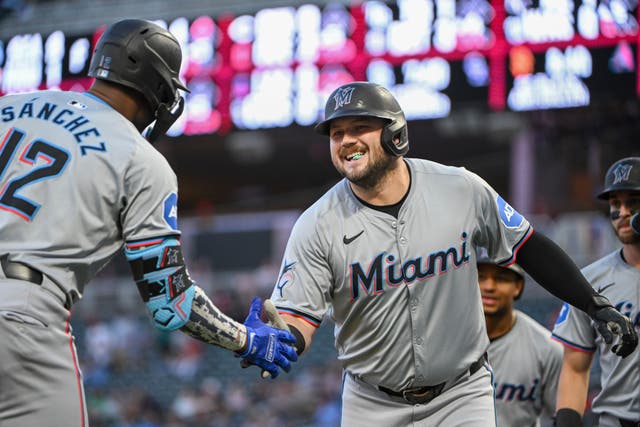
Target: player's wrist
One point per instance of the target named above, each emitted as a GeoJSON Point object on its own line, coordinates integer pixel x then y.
{"type": "Point", "coordinates": [245, 339]}
{"type": "Point", "coordinates": [567, 417]}
{"type": "Point", "coordinates": [597, 302]}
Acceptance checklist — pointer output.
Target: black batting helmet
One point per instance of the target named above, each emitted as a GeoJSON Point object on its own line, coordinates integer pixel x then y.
{"type": "Point", "coordinates": [622, 175]}
{"type": "Point", "coordinates": [371, 100]}
{"type": "Point", "coordinates": [145, 57]}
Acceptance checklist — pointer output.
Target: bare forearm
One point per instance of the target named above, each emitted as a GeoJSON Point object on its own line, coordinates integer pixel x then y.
{"type": "Point", "coordinates": [208, 324]}
{"type": "Point", "coordinates": [572, 390]}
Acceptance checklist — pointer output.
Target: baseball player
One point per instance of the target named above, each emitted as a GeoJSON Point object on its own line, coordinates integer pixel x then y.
{"type": "Point", "coordinates": [525, 361]}
{"type": "Point", "coordinates": [388, 254]}
{"type": "Point", "coordinates": [78, 182]}
{"type": "Point", "coordinates": [616, 276]}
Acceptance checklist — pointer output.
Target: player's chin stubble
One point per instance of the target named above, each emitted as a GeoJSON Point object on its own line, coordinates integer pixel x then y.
{"type": "Point", "coordinates": [371, 175]}
{"type": "Point", "coordinates": [633, 239]}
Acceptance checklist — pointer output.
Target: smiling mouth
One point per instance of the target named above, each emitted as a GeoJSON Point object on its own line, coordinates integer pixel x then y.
{"type": "Point", "coordinates": [354, 156]}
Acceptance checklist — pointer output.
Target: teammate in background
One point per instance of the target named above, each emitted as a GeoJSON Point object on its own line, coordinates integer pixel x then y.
{"type": "Point", "coordinates": [525, 361]}
{"type": "Point", "coordinates": [79, 182]}
{"type": "Point", "coordinates": [616, 276]}
{"type": "Point", "coordinates": [389, 255]}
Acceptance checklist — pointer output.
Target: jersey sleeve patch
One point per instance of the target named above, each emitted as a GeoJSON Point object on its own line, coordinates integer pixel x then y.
{"type": "Point", "coordinates": [508, 215]}
{"type": "Point", "coordinates": [171, 210]}
{"type": "Point", "coordinates": [564, 312]}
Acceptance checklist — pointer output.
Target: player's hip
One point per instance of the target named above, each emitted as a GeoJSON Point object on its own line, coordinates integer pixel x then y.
{"type": "Point", "coordinates": [471, 394]}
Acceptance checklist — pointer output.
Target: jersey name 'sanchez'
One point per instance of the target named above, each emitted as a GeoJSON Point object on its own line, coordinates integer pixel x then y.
{"type": "Point", "coordinates": [79, 126]}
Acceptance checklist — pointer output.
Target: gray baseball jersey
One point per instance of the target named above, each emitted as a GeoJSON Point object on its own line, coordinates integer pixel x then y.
{"type": "Point", "coordinates": [612, 277]}
{"type": "Point", "coordinates": [403, 293]}
{"type": "Point", "coordinates": [77, 180]}
{"type": "Point", "coordinates": [526, 365]}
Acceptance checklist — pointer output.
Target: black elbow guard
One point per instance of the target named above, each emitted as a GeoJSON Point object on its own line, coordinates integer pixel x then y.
{"type": "Point", "coordinates": [300, 343]}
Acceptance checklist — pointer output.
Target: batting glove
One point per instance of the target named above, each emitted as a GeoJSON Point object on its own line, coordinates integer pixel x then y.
{"type": "Point", "coordinates": [267, 347]}
{"type": "Point", "coordinates": [611, 322]}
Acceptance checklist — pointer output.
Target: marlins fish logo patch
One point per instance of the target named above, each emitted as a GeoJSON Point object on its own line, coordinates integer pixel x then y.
{"type": "Point", "coordinates": [286, 275]}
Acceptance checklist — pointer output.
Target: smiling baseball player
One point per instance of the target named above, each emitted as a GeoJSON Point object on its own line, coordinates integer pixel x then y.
{"type": "Point", "coordinates": [388, 254]}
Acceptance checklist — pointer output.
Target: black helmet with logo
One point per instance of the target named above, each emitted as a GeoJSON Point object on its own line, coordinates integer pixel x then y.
{"type": "Point", "coordinates": [370, 100]}
{"type": "Point", "coordinates": [145, 57]}
{"type": "Point", "coordinates": [622, 175]}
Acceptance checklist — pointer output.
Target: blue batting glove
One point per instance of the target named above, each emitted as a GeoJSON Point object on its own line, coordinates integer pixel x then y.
{"type": "Point", "coordinates": [267, 347]}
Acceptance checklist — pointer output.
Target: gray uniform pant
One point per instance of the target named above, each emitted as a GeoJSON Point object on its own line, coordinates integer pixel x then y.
{"type": "Point", "coordinates": [467, 401]}
{"type": "Point", "coordinates": [40, 381]}
{"type": "Point", "coordinates": [608, 420]}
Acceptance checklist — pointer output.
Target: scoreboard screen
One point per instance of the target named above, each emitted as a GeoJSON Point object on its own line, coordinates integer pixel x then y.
{"type": "Point", "coordinates": [276, 67]}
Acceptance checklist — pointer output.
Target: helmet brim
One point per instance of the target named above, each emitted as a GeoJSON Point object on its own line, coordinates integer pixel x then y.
{"type": "Point", "coordinates": [324, 126]}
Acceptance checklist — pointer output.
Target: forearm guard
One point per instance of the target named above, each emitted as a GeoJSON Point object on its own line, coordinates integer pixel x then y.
{"type": "Point", "coordinates": [207, 323]}
{"type": "Point", "coordinates": [163, 281]}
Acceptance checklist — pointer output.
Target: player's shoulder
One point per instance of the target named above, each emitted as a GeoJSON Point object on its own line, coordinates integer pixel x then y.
{"type": "Point", "coordinates": [532, 325]}
{"type": "Point", "coordinates": [328, 211]}
{"type": "Point", "coordinates": [537, 333]}
{"type": "Point", "coordinates": [602, 268]}
{"type": "Point", "coordinates": [424, 166]}
{"type": "Point", "coordinates": [443, 175]}
{"type": "Point", "coordinates": [329, 205]}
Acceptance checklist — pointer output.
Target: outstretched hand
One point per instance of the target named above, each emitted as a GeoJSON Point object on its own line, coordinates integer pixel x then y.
{"type": "Point", "coordinates": [267, 347]}
{"type": "Point", "coordinates": [611, 322]}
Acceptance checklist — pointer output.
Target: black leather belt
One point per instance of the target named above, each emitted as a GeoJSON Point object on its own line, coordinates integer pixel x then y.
{"type": "Point", "coordinates": [425, 394]}
{"type": "Point", "coordinates": [19, 271]}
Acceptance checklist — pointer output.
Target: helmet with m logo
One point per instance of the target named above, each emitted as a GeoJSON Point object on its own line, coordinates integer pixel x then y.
{"type": "Point", "coordinates": [622, 175]}
{"type": "Point", "coordinates": [369, 100]}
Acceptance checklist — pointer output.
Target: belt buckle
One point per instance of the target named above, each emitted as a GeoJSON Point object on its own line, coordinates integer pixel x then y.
{"type": "Point", "coordinates": [421, 395]}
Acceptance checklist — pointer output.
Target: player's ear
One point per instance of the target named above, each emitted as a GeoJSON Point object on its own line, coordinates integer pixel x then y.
{"type": "Point", "coordinates": [519, 288]}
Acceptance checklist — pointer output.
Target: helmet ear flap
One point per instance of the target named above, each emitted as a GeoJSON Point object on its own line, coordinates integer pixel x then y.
{"type": "Point", "coordinates": [396, 130]}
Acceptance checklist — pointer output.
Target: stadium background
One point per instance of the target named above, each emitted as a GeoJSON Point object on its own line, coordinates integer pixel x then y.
{"type": "Point", "coordinates": [242, 187]}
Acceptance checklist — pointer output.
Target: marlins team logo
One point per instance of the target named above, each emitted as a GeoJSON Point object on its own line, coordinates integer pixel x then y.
{"type": "Point", "coordinates": [343, 97]}
{"type": "Point", "coordinates": [509, 216]}
{"type": "Point", "coordinates": [286, 276]}
{"type": "Point", "coordinates": [171, 210]}
{"type": "Point", "coordinates": [621, 173]}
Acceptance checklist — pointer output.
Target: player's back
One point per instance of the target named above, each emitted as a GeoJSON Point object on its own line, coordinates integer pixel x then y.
{"type": "Point", "coordinates": [63, 160]}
